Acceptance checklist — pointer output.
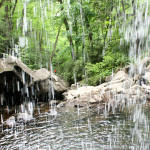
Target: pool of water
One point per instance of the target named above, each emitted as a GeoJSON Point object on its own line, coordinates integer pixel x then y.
{"type": "Point", "coordinates": [81, 129]}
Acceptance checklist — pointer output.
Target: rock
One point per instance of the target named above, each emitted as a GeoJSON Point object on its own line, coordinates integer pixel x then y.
{"type": "Point", "coordinates": [71, 94]}
{"type": "Point", "coordinates": [147, 77]}
{"type": "Point", "coordinates": [120, 75]}
{"type": "Point", "coordinates": [18, 81]}
{"type": "Point", "coordinates": [73, 86]}
{"type": "Point", "coordinates": [127, 69]}
{"type": "Point", "coordinates": [42, 105]}
{"type": "Point", "coordinates": [136, 78]}
{"type": "Point", "coordinates": [148, 97]}
{"type": "Point", "coordinates": [108, 78]}
{"type": "Point", "coordinates": [128, 83]}
{"type": "Point", "coordinates": [52, 112]}
{"type": "Point", "coordinates": [48, 80]}
{"type": "Point", "coordinates": [136, 90]}
{"type": "Point", "coordinates": [126, 87]}
{"type": "Point", "coordinates": [53, 103]}
{"type": "Point", "coordinates": [114, 87]}
{"type": "Point", "coordinates": [119, 90]}
{"type": "Point", "coordinates": [24, 117]}
{"type": "Point", "coordinates": [11, 121]}
{"type": "Point", "coordinates": [41, 74]}
{"type": "Point", "coordinates": [147, 69]}
{"type": "Point", "coordinates": [62, 104]}
{"type": "Point", "coordinates": [140, 67]}
{"type": "Point", "coordinates": [139, 98]}
{"type": "Point", "coordinates": [93, 101]}
{"type": "Point", "coordinates": [78, 105]}
{"type": "Point", "coordinates": [146, 87]}
{"type": "Point", "coordinates": [145, 62]}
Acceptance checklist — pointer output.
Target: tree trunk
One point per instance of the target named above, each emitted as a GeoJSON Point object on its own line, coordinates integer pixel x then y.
{"type": "Point", "coordinates": [55, 43]}
{"type": "Point", "coordinates": [134, 7]}
{"type": "Point", "coordinates": [90, 32]}
{"type": "Point", "coordinates": [69, 36]}
{"type": "Point", "coordinates": [76, 41]}
{"type": "Point", "coordinates": [14, 8]}
{"type": "Point", "coordinates": [123, 7]}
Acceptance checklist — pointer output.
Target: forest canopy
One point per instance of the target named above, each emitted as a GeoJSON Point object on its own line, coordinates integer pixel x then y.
{"type": "Point", "coordinates": [82, 39]}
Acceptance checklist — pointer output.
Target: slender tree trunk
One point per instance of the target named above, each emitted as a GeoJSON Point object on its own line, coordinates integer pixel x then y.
{"type": "Point", "coordinates": [9, 29]}
{"type": "Point", "coordinates": [40, 41]}
{"type": "Point", "coordinates": [123, 7]}
{"type": "Point", "coordinates": [14, 8]}
{"type": "Point", "coordinates": [76, 41]}
{"type": "Point", "coordinates": [55, 43]}
{"type": "Point", "coordinates": [69, 36]}
{"type": "Point", "coordinates": [134, 8]}
{"type": "Point", "coordinates": [90, 32]}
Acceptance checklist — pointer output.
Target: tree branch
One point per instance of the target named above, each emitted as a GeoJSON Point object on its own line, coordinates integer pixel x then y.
{"type": "Point", "coordinates": [14, 7]}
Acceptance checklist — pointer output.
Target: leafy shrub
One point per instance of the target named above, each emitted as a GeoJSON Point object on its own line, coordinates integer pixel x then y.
{"type": "Point", "coordinates": [111, 61]}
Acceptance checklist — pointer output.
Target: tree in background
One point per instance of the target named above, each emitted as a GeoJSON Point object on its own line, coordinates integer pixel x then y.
{"type": "Point", "coordinates": [81, 38]}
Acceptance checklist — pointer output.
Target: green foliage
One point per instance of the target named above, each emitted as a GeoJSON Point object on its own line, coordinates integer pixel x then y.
{"type": "Point", "coordinates": [111, 61]}
{"type": "Point", "coordinates": [64, 68]}
{"type": "Point", "coordinates": [79, 69]}
{"type": "Point", "coordinates": [92, 26]}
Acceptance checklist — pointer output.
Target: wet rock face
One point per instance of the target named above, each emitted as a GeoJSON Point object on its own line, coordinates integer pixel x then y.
{"type": "Point", "coordinates": [18, 82]}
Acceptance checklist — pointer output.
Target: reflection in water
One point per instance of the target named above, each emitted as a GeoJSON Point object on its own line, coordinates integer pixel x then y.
{"type": "Point", "coordinates": [65, 130]}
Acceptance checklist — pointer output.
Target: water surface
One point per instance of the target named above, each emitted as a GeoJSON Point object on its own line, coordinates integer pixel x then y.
{"type": "Point", "coordinates": [73, 129]}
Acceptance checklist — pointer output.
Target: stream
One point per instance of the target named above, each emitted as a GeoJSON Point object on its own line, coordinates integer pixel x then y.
{"type": "Point", "coordinates": [70, 128]}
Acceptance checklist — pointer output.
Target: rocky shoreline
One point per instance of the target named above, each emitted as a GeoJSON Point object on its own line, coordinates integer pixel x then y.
{"type": "Point", "coordinates": [124, 88]}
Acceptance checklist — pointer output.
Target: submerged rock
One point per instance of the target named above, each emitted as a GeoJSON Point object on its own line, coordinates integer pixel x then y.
{"type": "Point", "coordinates": [24, 117]}
{"type": "Point", "coordinates": [11, 122]}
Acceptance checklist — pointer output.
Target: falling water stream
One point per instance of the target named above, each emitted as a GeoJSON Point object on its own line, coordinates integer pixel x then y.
{"type": "Point", "coordinates": [69, 128]}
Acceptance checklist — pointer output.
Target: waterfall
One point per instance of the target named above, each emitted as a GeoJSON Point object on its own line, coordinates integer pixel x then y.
{"type": "Point", "coordinates": [136, 31]}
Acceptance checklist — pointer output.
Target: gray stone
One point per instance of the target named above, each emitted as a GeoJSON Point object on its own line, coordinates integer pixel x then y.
{"type": "Point", "coordinates": [148, 97]}
{"type": "Point", "coordinates": [11, 121]}
{"type": "Point", "coordinates": [53, 103]}
{"type": "Point", "coordinates": [24, 117]}
{"type": "Point", "coordinates": [108, 78]}
{"type": "Point", "coordinates": [62, 104]}
{"type": "Point", "coordinates": [147, 77]}
{"type": "Point", "coordinates": [119, 75]}
{"type": "Point", "coordinates": [20, 81]}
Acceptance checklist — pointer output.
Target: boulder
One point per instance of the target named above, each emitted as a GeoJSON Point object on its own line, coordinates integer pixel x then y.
{"type": "Point", "coordinates": [24, 117]}
{"type": "Point", "coordinates": [136, 90]}
{"type": "Point", "coordinates": [108, 78]}
{"type": "Point", "coordinates": [48, 81]}
{"type": "Point", "coordinates": [147, 69]}
{"type": "Point", "coordinates": [11, 122]}
{"type": "Point", "coordinates": [147, 77]}
{"type": "Point", "coordinates": [120, 75]}
{"type": "Point", "coordinates": [144, 63]}
{"type": "Point", "coordinates": [19, 82]}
